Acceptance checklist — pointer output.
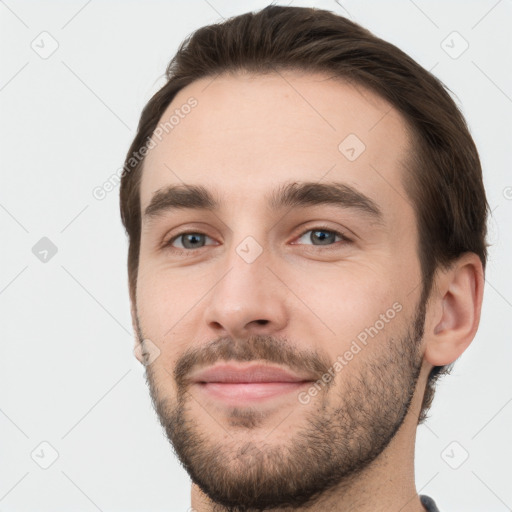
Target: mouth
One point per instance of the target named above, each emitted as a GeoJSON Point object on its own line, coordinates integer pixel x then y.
{"type": "Point", "coordinates": [237, 384]}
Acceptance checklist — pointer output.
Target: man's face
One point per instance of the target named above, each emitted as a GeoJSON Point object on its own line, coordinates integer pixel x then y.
{"type": "Point", "coordinates": [326, 289]}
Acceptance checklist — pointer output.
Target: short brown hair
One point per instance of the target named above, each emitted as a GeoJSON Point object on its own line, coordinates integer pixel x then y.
{"type": "Point", "coordinates": [445, 184]}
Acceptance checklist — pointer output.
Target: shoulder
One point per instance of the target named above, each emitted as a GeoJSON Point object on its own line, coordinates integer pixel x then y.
{"type": "Point", "coordinates": [428, 503]}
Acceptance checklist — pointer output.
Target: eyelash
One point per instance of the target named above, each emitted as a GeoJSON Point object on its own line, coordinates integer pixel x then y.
{"type": "Point", "coordinates": [192, 252]}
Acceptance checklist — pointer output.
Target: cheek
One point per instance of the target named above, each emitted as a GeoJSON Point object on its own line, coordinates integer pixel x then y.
{"type": "Point", "coordinates": [164, 304]}
{"type": "Point", "coordinates": [356, 301]}
{"type": "Point", "coordinates": [162, 317]}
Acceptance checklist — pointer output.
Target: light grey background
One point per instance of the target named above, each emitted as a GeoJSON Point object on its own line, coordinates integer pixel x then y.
{"type": "Point", "coordinates": [68, 376]}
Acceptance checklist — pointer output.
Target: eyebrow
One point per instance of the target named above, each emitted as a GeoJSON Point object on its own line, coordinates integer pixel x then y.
{"type": "Point", "coordinates": [288, 195]}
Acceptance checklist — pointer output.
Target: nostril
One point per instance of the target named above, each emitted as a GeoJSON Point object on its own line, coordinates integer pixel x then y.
{"type": "Point", "coordinates": [262, 322]}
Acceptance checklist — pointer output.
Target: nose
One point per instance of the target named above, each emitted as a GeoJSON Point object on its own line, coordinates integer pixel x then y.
{"type": "Point", "coordinates": [248, 300]}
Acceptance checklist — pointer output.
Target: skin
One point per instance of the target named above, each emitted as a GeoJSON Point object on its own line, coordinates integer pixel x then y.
{"type": "Point", "coordinates": [247, 135]}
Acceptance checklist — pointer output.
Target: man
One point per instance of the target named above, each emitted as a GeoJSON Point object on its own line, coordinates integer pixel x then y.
{"type": "Point", "coordinates": [307, 224]}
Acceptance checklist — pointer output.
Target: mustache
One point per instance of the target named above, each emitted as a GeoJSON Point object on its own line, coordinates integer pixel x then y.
{"type": "Point", "coordinates": [262, 348]}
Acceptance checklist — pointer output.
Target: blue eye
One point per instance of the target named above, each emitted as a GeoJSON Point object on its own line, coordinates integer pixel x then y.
{"type": "Point", "coordinates": [193, 240]}
{"type": "Point", "coordinates": [323, 236]}
{"type": "Point", "coordinates": [189, 240]}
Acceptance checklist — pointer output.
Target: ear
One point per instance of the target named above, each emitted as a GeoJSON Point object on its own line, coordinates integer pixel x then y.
{"type": "Point", "coordinates": [455, 304]}
{"type": "Point", "coordinates": [137, 347]}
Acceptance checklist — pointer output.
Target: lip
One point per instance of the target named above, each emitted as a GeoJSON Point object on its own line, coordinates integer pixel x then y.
{"type": "Point", "coordinates": [240, 384]}
{"type": "Point", "coordinates": [243, 374]}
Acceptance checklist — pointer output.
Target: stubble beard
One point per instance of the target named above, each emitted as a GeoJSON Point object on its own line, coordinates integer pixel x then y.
{"type": "Point", "coordinates": [345, 429]}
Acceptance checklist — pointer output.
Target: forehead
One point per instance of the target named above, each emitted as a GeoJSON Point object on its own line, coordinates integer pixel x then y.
{"type": "Point", "coordinates": [241, 135]}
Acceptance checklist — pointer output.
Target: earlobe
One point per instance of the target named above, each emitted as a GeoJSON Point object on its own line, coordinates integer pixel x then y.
{"type": "Point", "coordinates": [457, 307]}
